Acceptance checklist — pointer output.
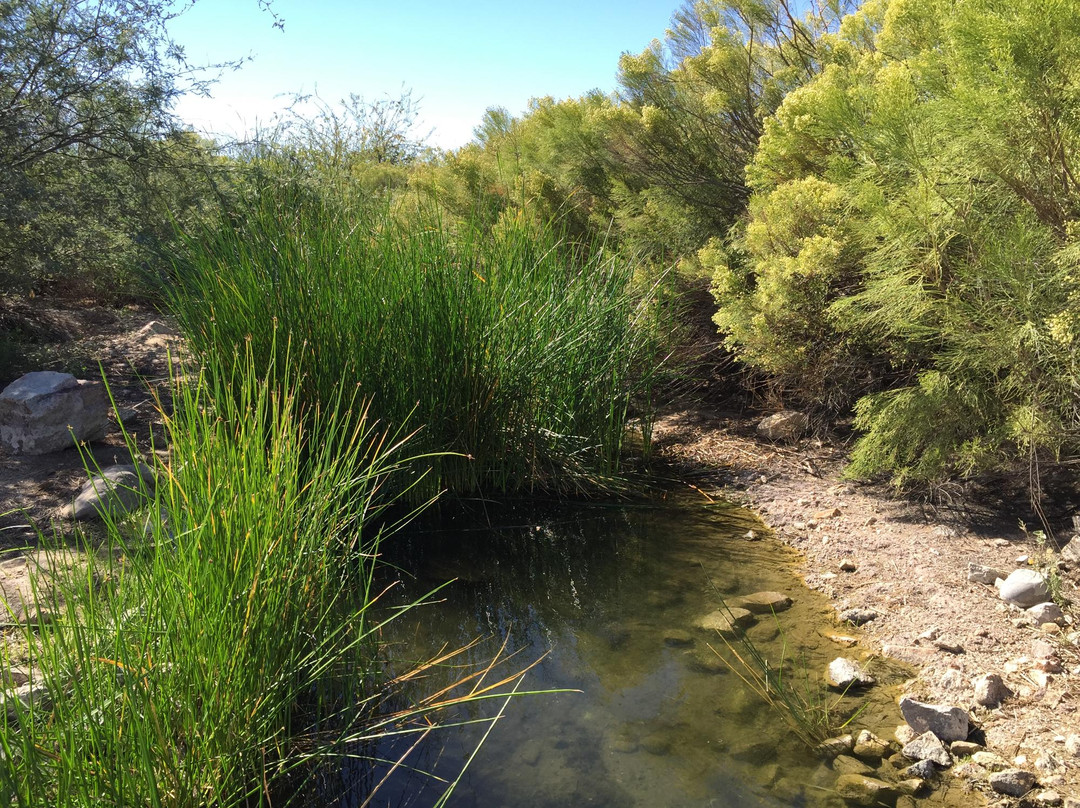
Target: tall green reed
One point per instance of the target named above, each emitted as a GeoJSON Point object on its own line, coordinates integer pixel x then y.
{"type": "Point", "coordinates": [518, 356]}
{"type": "Point", "coordinates": [215, 656]}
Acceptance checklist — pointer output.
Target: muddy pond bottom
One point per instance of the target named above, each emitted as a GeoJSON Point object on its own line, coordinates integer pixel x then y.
{"type": "Point", "coordinates": [610, 599]}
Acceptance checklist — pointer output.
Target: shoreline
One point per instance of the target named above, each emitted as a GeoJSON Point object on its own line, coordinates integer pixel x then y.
{"type": "Point", "coordinates": [910, 567]}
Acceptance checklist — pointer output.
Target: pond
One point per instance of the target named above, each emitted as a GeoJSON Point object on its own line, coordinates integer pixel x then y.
{"type": "Point", "coordinates": [608, 598]}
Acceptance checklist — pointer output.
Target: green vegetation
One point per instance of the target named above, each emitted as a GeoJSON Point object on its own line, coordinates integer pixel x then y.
{"type": "Point", "coordinates": [512, 350]}
{"type": "Point", "coordinates": [218, 658]}
{"type": "Point", "coordinates": [912, 237]}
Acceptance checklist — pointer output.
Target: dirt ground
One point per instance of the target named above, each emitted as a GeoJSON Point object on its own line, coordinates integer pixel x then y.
{"type": "Point", "coordinates": [909, 558]}
{"type": "Point", "coordinates": [910, 566]}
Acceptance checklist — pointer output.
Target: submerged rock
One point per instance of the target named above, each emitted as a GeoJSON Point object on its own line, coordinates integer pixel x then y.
{"type": "Point", "coordinates": [726, 621]}
{"type": "Point", "coordinates": [862, 790]}
{"type": "Point", "coordinates": [763, 602]}
{"type": "Point", "coordinates": [869, 746]}
{"type": "Point", "coordinates": [844, 673]}
{"type": "Point", "coordinates": [834, 747]}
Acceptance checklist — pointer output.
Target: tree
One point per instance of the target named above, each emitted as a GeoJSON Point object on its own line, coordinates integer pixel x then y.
{"type": "Point", "coordinates": [912, 237]}
{"type": "Point", "coordinates": [82, 82]}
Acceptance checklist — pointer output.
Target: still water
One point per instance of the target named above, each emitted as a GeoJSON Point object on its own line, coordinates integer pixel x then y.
{"type": "Point", "coordinates": [607, 599]}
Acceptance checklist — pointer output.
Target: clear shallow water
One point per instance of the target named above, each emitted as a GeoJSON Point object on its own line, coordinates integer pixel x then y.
{"type": "Point", "coordinates": [611, 595]}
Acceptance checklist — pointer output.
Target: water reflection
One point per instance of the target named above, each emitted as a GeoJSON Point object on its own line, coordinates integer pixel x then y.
{"type": "Point", "coordinates": [612, 596]}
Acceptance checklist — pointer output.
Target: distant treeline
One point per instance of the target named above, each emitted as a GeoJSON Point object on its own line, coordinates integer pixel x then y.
{"type": "Point", "coordinates": [883, 201]}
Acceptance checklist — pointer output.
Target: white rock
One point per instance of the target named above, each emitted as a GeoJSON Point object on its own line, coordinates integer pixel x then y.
{"type": "Point", "coordinates": [1024, 588]}
{"type": "Point", "coordinates": [982, 574]}
{"type": "Point", "coordinates": [1072, 745]}
{"type": "Point", "coordinates": [40, 412]}
{"type": "Point", "coordinates": [843, 673]}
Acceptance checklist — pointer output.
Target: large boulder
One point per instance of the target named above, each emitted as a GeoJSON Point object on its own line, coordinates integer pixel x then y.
{"type": "Point", "coordinates": [784, 425]}
{"type": "Point", "coordinates": [45, 412]}
{"type": "Point", "coordinates": [947, 723]}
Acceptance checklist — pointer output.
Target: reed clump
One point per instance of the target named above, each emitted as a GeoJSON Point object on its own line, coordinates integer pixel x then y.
{"type": "Point", "coordinates": [216, 655]}
{"type": "Point", "coordinates": [518, 355]}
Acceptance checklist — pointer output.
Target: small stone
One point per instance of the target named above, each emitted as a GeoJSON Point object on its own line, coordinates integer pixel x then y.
{"type": "Point", "coordinates": [763, 602]}
{"type": "Point", "coordinates": [1012, 782]}
{"type": "Point", "coordinates": [949, 646]}
{"type": "Point", "coordinates": [869, 746]}
{"type": "Point", "coordinates": [1072, 745]}
{"type": "Point", "coordinates": [928, 747]}
{"type": "Point", "coordinates": [946, 722]}
{"type": "Point", "coordinates": [1047, 613]}
{"type": "Point", "coordinates": [25, 697]}
{"type": "Point", "coordinates": [905, 734]}
{"type": "Point", "coordinates": [923, 770]}
{"type": "Point", "coordinates": [858, 617]}
{"type": "Point", "coordinates": [821, 516]}
{"type": "Point", "coordinates": [844, 673]}
{"type": "Point", "coordinates": [1048, 798]}
{"type": "Point", "coordinates": [1024, 588]}
{"type": "Point", "coordinates": [751, 535]}
{"type": "Point", "coordinates": [1048, 764]}
{"type": "Point", "coordinates": [982, 574]}
{"type": "Point", "coordinates": [990, 690]}
{"type": "Point", "coordinates": [1001, 542]}
{"type": "Point", "coordinates": [962, 749]}
{"type": "Point", "coordinates": [834, 747]}
{"type": "Point", "coordinates": [990, 760]}
{"type": "Point", "coordinates": [1071, 551]}
{"type": "Point", "coordinates": [847, 565]}
{"type": "Point", "coordinates": [115, 492]}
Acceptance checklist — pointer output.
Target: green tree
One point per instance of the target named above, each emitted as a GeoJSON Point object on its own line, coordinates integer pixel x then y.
{"type": "Point", "coordinates": [86, 89]}
{"type": "Point", "coordinates": [939, 140]}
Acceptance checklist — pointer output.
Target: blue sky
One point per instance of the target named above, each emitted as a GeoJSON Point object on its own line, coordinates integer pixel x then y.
{"type": "Point", "coordinates": [459, 58]}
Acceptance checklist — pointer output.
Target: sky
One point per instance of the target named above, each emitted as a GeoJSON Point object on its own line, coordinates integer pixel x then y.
{"type": "Point", "coordinates": [458, 57]}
